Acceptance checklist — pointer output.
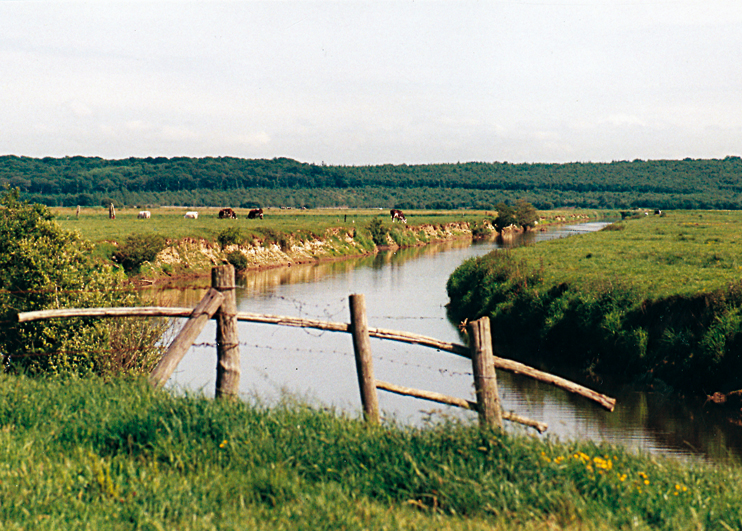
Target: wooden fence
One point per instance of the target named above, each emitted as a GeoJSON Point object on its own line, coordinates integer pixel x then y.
{"type": "Point", "coordinates": [220, 303]}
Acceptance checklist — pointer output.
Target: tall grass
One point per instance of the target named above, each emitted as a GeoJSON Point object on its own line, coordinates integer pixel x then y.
{"type": "Point", "coordinates": [83, 454]}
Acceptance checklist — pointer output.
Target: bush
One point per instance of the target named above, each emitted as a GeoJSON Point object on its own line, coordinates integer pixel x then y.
{"type": "Point", "coordinates": [138, 249]}
{"type": "Point", "coordinates": [480, 230]}
{"type": "Point", "coordinates": [230, 236]}
{"type": "Point", "coordinates": [238, 260]}
{"type": "Point", "coordinates": [378, 231]}
{"type": "Point", "coordinates": [45, 267]}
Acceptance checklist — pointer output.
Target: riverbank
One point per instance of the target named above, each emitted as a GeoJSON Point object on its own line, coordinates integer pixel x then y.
{"type": "Point", "coordinates": [654, 301]}
{"type": "Point", "coordinates": [121, 455]}
{"type": "Point", "coordinates": [284, 237]}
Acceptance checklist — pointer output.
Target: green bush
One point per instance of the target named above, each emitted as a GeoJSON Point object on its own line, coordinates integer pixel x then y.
{"type": "Point", "coordinates": [138, 249]}
{"type": "Point", "coordinates": [230, 236]}
{"type": "Point", "coordinates": [378, 231]}
{"type": "Point", "coordinates": [238, 260]}
{"type": "Point", "coordinates": [480, 230]}
{"type": "Point", "coordinates": [45, 267]}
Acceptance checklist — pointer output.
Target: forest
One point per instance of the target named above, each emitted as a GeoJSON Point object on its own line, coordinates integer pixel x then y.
{"type": "Point", "coordinates": [283, 182]}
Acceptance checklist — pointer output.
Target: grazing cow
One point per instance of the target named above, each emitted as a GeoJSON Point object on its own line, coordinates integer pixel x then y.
{"type": "Point", "coordinates": [397, 215]}
{"type": "Point", "coordinates": [255, 213]}
{"type": "Point", "coordinates": [227, 213]}
{"type": "Point", "coordinates": [144, 214]}
{"type": "Point", "coordinates": [191, 215]}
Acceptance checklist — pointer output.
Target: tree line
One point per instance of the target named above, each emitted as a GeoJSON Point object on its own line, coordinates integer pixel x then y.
{"type": "Point", "coordinates": [215, 181]}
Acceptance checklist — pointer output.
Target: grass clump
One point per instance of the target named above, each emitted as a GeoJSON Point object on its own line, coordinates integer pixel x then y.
{"type": "Point", "coordinates": [87, 454]}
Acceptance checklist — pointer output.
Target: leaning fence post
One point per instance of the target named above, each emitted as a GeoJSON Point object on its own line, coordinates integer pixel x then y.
{"type": "Point", "coordinates": [364, 361]}
{"type": "Point", "coordinates": [485, 380]}
{"type": "Point", "coordinates": [227, 337]}
{"type": "Point", "coordinates": [200, 315]}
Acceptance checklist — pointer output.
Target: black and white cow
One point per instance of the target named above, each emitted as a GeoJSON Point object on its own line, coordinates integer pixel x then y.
{"type": "Point", "coordinates": [397, 215]}
{"type": "Point", "coordinates": [227, 213]}
{"type": "Point", "coordinates": [255, 213]}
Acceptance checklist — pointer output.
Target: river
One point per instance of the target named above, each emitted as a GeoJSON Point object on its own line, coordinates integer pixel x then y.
{"type": "Point", "coordinates": [406, 290]}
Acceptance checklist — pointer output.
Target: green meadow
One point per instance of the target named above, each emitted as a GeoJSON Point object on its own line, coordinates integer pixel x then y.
{"type": "Point", "coordinates": [94, 224]}
{"type": "Point", "coordinates": [90, 454]}
{"type": "Point", "coordinates": [654, 299]}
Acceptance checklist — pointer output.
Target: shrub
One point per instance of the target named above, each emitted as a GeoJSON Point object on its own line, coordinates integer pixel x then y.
{"type": "Point", "coordinates": [480, 230]}
{"type": "Point", "coordinates": [230, 236]}
{"type": "Point", "coordinates": [45, 267]}
{"type": "Point", "coordinates": [138, 249]}
{"type": "Point", "coordinates": [378, 231]}
{"type": "Point", "coordinates": [238, 260]}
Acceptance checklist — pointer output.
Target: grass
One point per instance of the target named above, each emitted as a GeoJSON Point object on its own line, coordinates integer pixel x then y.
{"type": "Point", "coordinates": [95, 226]}
{"type": "Point", "coordinates": [682, 252]}
{"type": "Point", "coordinates": [656, 300]}
{"type": "Point", "coordinates": [86, 454]}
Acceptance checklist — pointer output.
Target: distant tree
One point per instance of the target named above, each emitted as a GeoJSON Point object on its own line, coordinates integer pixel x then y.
{"type": "Point", "coordinates": [525, 215]}
{"type": "Point", "coordinates": [505, 216]}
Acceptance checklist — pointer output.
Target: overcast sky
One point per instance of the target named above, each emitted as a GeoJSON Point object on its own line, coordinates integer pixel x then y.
{"type": "Point", "coordinates": [348, 82]}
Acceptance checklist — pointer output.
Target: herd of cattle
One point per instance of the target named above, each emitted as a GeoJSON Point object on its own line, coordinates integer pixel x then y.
{"type": "Point", "coordinates": [224, 213]}
{"type": "Point", "coordinates": [228, 213]}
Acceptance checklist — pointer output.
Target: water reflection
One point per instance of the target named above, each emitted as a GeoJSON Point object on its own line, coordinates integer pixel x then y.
{"type": "Point", "coordinates": [405, 290]}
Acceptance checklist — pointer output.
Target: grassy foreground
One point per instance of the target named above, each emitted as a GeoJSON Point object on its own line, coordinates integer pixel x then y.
{"type": "Point", "coordinates": [658, 298]}
{"type": "Point", "coordinates": [85, 454]}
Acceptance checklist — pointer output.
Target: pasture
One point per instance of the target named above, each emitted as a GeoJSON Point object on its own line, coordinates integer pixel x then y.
{"type": "Point", "coordinates": [94, 224]}
{"type": "Point", "coordinates": [679, 253]}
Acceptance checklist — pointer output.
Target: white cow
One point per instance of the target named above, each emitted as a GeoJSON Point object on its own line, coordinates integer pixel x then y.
{"type": "Point", "coordinates": [191, 215]}
{"type": "Point", "coordinates": [144, 214]}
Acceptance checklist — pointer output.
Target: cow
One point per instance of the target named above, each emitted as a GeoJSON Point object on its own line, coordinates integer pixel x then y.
{"type": "Point", "coordinates": [144, 214]}
{"type": "Point", "coordinates": [397, 215]}
{"type": "Point", "coordinates": [191, 215]}
{"type": "Point", "coordinates": [255, 213]}
{"type": "Point", "coordinates": [227, 213]}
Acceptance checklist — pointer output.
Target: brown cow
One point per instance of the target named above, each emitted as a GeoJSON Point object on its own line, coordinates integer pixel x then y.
{"type": "Point", "coordinates": [255, 213]}
{"type": "Point", "coordinates": [397, 215]}
{"type": "Point", "coordinates": [227, 213]}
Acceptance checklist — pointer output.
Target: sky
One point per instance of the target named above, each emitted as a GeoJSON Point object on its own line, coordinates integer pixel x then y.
{"type": "Point", "coordinates": [347, 82]}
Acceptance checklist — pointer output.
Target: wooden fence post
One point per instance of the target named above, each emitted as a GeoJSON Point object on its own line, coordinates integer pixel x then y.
{"type": "Point", "coordinates": [364, 360]}
{"type": "Point", "coordinates": [485, 380]}
{"type": "Point", "coordinates": [227, 337]}
{"type": "Point", "coordinates": [200, 315]}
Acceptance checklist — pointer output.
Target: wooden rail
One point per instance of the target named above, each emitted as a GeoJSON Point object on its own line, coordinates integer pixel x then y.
{"type": "Point", "coordinates": [393, 335]}
{"type": "Point", "coordinates": [219, 304]}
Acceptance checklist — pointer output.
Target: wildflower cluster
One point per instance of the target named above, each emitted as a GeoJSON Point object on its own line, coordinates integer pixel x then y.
{"type": "Point", "coordinates": [605, 467]}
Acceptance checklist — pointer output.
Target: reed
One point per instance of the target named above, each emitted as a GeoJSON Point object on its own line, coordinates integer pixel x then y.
{"type": "Point", "coordinates": [86, 454]}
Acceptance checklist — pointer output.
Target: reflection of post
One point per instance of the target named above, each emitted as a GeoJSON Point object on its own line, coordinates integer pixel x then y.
{"type": "Point", "coordinates": [485, 380]}
{"type": "Point", "coordinates": [227, 337]}
{"type": "Point", "coordinates": [364, 361]}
